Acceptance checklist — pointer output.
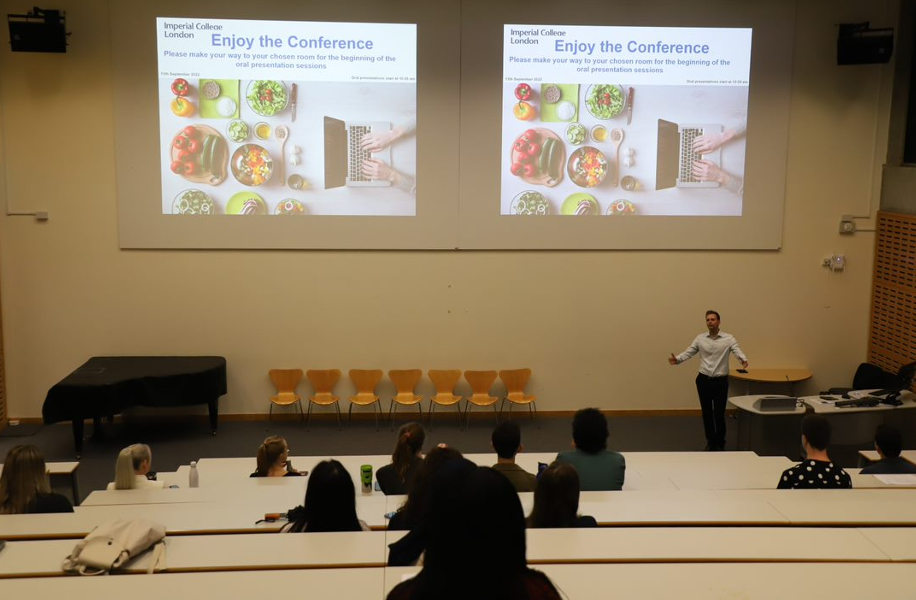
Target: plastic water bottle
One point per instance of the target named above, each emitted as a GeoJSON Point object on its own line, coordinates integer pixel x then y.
{"type": "Point", "coordinates": [193, 477]}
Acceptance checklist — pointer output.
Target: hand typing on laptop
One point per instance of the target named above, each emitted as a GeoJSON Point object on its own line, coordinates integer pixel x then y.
{"type": "Point", "coordinates": [705, 170]}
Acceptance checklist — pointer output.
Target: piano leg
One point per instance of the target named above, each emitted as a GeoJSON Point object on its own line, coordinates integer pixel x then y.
{"type": "Point", "coordinates": [213, 408]}
{"type": "Point", "coordinates": [78, 436]}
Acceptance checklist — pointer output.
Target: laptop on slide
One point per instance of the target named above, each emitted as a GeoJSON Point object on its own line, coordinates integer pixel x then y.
{"type": "Point", "coordinates": [343, 157]}
{"type": "Point", "coordinates": [675, 158]}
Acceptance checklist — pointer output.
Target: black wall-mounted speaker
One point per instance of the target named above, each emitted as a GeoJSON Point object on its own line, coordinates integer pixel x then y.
{"type": "Point", "coordinates": [859, 45]}
{"type": "Point", "coordinates": [44, 32]}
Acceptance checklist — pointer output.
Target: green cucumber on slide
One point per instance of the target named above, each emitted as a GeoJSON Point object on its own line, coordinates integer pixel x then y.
{"type": "Point", "coordinates": [205, 154]}
{"type": "Point", "coordinates": [546, 151]}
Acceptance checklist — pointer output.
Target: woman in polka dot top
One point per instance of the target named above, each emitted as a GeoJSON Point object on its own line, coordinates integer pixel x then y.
{"type": "Point", "coordinates": [817, 470]}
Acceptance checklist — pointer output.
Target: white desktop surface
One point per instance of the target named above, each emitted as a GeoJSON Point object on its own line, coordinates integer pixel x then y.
{"type": "Point", "coordinates": [322, 584]}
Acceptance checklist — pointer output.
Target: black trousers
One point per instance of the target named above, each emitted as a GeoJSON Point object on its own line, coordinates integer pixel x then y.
{"type": "Point", "coordinates": [713, 392]}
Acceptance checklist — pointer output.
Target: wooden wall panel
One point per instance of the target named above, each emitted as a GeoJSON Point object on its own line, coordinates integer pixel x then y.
{"type": "Point", "coordinates": [892, 333]}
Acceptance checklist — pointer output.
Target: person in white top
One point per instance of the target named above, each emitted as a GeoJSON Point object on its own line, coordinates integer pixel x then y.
{"type": "Point", "coordinates": [133, 464]}
{"type": "Point", "coordinates": [714, 349]}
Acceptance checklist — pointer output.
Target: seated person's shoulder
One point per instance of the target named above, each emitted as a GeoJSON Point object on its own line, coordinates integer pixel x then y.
{"type": "Point", "coordinates": [49, 503]}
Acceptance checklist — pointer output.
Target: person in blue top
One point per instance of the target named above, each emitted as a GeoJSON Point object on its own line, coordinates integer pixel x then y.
{"type": "Point", "coordinates": [714, 348]}
{"type": "Point", "coordinates": [599, 468]}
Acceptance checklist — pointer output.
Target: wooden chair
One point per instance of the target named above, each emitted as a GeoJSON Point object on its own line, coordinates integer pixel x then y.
{"type": "Point", "coordinates": [445, 382]}
{"type": "Point", "coordinates": [365, 381]}
{"type": "Point", "coordinates": [480, 382]}
{"type": "Point", "coordinates": [515, 381]}
{"type": "Point", "coordinates": [405, 382]}
{"type": "Point", "coordinates": [323, 381]}
{"type": "Point", "coordinates": [286, 381]}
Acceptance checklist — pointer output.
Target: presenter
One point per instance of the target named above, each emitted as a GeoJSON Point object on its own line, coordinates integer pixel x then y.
{"type": "Point", "coordinates": [714, 348]}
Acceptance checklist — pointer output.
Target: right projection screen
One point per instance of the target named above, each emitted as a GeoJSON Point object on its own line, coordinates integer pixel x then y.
{"type": "Point", "coordinates": [624, 121]}
{"type": "Point", "coordinates": [642, 137]}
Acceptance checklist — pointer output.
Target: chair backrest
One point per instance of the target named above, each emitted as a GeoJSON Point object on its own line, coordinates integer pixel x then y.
{"type": "Point", "coordinates": [444, 380]}
{"type": "Point", "coordinates": [285, 380]}
{"type": "Point", "coordinates": [365, 380]}
{"type": "Point", "coordinates": [515, 379]}
{"type": "Point", "coordinates": [405, 380]}
{"type": "Point", "coordinates": [323, 380]}
{"type": "Point", "coordinates": [869, 376]}
{"type": "Point", "coordinates": [480, 381]}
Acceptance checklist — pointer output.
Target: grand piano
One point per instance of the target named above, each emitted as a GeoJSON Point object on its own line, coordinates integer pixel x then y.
{"type": "Point", "coordinates": [107, 385]}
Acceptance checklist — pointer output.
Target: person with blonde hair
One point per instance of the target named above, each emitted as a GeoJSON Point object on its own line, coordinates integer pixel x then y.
{"type": "Point", "coordinates": [131, 469]}
{"type": "Point", "coordinates": [405, 460]}
{"type": "Point", "coordinates": [24, 486]}
{"type": "Point", "coordinates": [273, 459]}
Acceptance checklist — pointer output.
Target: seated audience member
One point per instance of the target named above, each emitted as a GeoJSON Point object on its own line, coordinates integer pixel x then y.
{"type": "Point", "coordinates": [24, 486]}
{"type": "Point", "coordinates": [478, 518]}
{"type": "Point", "coordinates": [421, 503]}
{"type": "Point", "coordinates": [817, 470]}
{"type": "Point", "coordinates": [556, 499]}
{"type": "Point", "coordinates": [598, 468]}
{"type": "Point", "coordinates": [507, 441]}
{"type": "Point", "coordinates": [889, 443]}
{"type": "Point", "coordinates": [411, 513]}
{"type": "Point", "coordinates": [273, 459]}
{"type": "Point", "coordinates": [131, 470]}
{"type": "Point", "coordinates": [330, 502]}
{"type": "Point", "coordinates": [394, 478]}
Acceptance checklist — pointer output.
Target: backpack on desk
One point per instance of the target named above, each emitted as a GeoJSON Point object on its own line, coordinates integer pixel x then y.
{"type": "Point", "coordinates": [112, 544]}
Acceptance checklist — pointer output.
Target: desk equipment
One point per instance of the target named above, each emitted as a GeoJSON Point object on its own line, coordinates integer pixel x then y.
{"type": "Point", "coordinates": [107, 385]}
{"type": "Point", "coordinates": [776, 403]}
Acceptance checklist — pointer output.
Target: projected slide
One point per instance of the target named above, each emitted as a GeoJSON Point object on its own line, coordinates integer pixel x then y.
{"type": "Point", "coordinates": [287, 118]}
{"type": "Point", "coordinates": [624, 121]}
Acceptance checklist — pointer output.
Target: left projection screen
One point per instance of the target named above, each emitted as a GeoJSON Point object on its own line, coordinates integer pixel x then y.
{"type": "Point", "coordinates": [297, 129]}
{"type": "Point", "coordinates": [286, 118]}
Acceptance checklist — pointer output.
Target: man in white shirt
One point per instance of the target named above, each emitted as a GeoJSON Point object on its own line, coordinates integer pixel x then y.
{"type": "Point", "coordinates": [714, 349]}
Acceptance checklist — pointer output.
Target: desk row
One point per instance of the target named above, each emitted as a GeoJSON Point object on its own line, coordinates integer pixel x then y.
{"type": "Point", "coordinates": [867, 508]}
{"type": "Point", "coordinates": [544, 547]}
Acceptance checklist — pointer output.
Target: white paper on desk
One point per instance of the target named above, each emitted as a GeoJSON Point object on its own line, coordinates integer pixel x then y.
{"type": "Point", "coordinates": [908, 479]}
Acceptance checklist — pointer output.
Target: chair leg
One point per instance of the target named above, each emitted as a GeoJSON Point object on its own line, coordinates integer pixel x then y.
{"type": "Point", "coordinates": [299, 409]}
{"type": "Point", "coordinates": [467, 416]}
{"type": "Point", "coordinates": [377, 410]}
{"type": "Point", "coordinates": [432, 409]}
{"type": "Point", "coordinates": [496, 412]}
{"type": "Point", "coordinates": [458, 406]}
{"type": "Point", "coordinates": [501, 404]}
{"type": "Point", "coordinates": [350, 414]}
{"type": "Point", "coordinates": [308, 418]}
{"type": "Point", "coordinates": [270, 413]}
{"type": "Point", "coordinates": [337, 406]}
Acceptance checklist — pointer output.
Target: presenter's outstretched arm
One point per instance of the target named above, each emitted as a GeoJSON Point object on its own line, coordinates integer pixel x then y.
{"type": "Point", "coordinates": [672, 360]}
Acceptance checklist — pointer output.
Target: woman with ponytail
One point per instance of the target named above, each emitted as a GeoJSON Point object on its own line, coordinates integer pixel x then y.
{"type": "Point", "coordinates": [394, 478]}
{"type": "Point", "coordinates": [273, 459]}
{"type": "Point", "coordinates": [131, 470]}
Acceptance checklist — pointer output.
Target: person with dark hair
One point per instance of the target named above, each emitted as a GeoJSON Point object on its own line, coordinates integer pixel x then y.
{"type": "Point", "coordinates": [599, 468]}
{"type": "Point", "coordinates": [817, 470]}
{"type": "Point", "coordinates": [422, 501]}
{"type": "Point", "coordinates": [556, 499]}
{"type": "Point", "coordinates": [478, 514]}
{"type": "Point", "coordinates": [273, 459]}
{"type": "Point", "coordinates": [507, 442]}
{"type": "Point", "coordinates": [394, 478]}
{"type": "Point", "coordinates": [714, 348]}
{"type": "Point", "coordinates": [24, 486]}
{"type": "Point", "coordinates": [330, 502]}
{"type": "Point", "coordinates": [412, 513]}
{"type": "Point", "coordinates": [889, 443]}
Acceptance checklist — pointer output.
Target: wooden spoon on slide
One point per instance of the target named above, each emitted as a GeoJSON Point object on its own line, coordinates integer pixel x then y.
{"type": "Point", "coordinates": [617, 138]}
{"type": "Point", "coordinates": [282, 133]}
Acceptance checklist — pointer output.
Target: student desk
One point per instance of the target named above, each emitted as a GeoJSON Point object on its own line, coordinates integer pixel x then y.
{"type": "Point", "coordinates": [217, 553]}
{"type": "Point", "coordinates": [859, 508]}
{"type": "Point", "coordinates": [316, 584]}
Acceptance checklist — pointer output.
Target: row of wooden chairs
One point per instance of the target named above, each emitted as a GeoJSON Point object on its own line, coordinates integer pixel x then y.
{"type": "Point", "coordinates": [405, 382]}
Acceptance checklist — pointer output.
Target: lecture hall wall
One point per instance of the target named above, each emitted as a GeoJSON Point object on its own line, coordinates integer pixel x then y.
{"type": "Point", "coordinates": [596, 327]}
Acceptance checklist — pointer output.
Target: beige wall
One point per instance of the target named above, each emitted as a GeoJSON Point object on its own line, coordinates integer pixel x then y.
{"type": "Point", "coordinates": [596, 327]}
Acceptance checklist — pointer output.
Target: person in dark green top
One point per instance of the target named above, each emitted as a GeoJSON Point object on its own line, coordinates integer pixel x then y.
{"type": "Point", "coordinates": [599, 468]}
{"type": "Point", "coordinates": [507, 441]}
